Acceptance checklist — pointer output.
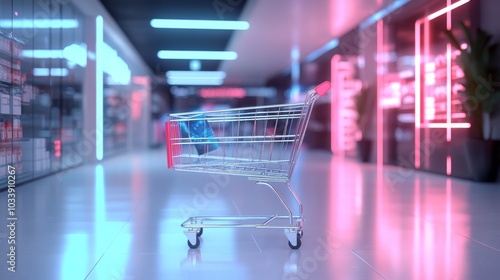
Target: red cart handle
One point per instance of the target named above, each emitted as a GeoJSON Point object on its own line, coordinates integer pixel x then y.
{"type": "Point", "coordinates": [323, 88]}
{"type": "Point", "coordinates": [170, 150]}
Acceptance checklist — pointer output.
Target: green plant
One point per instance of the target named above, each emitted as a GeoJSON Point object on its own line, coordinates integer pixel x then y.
{"type": "Point", "coordinates": [479, 97]}
{"type": "Point", "coordinates": [362, 105]}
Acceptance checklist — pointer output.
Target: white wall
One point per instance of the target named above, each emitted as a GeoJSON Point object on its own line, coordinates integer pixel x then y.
{"type": "Point", "coordinates": [137, 129]}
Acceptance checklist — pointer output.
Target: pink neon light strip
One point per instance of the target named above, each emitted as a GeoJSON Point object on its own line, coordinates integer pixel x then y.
{"type": "Point", "coordinates": [448, 91]}
{"type": "Point", "coordinates": [447, 9]}
{"type": "Point", "coordinates": [448, 78]}
{"type": "Point", "coordinates": [333, 107]}
{"type": "Point", "coordinates": [380, 80]}
{"type": "Point", "coordinates": [340, 117]}
{"type": "Point", "coordinates": [448, 165]}
{"type": "Point", "coordinates": [445, 125]}
{"type": "Point", "coordinates": [417, 93]}
{"type": "Point", "coordinates": [426, 60]}
{"type": "Point", "coordinates": [169, 144]}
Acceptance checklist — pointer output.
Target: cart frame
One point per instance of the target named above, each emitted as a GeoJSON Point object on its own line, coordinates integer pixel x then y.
{"type": "Point", "coordinates": [181, 141]}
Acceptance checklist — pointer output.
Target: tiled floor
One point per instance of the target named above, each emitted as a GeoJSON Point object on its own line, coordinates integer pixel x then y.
{"type": "Point", "coordinates": [120, 221]}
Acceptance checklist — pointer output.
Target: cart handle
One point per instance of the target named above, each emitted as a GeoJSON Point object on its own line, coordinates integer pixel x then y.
{"type": "Point", "coordinates": [172, 132]}
{"type": "Point", "coordinates": [323, 88]}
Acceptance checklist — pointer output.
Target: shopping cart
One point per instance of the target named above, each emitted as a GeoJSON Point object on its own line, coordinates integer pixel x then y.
{"type": "Point", "coordinates": [261, 143]}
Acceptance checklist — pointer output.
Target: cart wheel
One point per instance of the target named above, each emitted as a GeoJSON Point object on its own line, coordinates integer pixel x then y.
{"type": "Point", "coordinates": [200, 232]}
{"type": "Point", "coordinates": [196, 245]}
{"type": "Point", "coordinates": [298, 243]}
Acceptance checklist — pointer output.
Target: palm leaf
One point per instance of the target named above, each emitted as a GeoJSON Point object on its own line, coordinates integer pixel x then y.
{"type": "Point", "coordinates": [453, 40]}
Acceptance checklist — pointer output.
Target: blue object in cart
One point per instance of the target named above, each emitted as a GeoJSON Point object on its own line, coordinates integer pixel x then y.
{"type": "Point", "coordinates": [200, 131]}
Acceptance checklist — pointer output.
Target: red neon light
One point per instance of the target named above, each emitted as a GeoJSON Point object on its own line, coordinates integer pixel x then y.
{"type": "Point", "coordinates": [340, 117]}
{"type": "Point", "coordinates": [448, 165]}
{"type": "Point", "coordinates": [426, 60]}
{"type": "Point", "coordinates": [222, 92]}
{"type": "Point", "coordinates": [136, 104]}
{"type": "Point", "coordinates": [448, 79]}
{"type": "Point", "coordinates": [169, 145]}
{"type": "Point", "coordinates": [333, 130]}
{"type": "Point", "coordinates": [444, 125]}
{"type": "Point", "coordinates": [344, 131]}
{"type": "Point", "coordinates": [141, 80]}
{"type": "Point", "coordinates": [446, 9]}
{"type": "Point", "coordinates": [57, 148]}
{"type": "Point", "coordinates": [417, 94]}
{"type": "Point", "coordinates": [336, 129]}
{"type": "Point", "coordinates": [449, 92]}
{"type": "Point", "coordinates": [380, 80]}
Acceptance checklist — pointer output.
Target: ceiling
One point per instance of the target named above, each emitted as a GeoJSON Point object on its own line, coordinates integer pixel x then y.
{"type": "Point", "coordinates": [264, 50]}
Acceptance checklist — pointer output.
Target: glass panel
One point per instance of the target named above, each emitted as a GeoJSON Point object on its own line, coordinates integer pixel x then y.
{"type": "Point", "coordinates": [38, 88]}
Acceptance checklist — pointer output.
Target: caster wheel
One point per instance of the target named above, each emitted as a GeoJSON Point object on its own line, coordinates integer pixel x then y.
{"type": "Point", "coordinates": [298, 243]}
{"type": "Point", "coordinates": [200, 232]}
{"type": "Point", "coordinates": [196, 245]}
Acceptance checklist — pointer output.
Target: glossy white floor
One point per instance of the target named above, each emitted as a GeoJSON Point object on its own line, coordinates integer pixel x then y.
{"type": "Point", "coordinates": [120, 220]}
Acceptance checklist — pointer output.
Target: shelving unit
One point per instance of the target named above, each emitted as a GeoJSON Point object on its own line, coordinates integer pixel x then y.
{"type": "Point", "coordinates": [12, 82]}
{"type": "Point", "coordinates": [116, 113]}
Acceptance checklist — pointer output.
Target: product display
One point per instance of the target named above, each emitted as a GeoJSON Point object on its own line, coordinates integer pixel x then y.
{"type": "Point", "coordinates": [12, 82]}
{"type": "Point", "coordinates": [200, 132]}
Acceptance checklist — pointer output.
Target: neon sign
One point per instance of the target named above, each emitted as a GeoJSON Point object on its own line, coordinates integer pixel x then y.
{"type": "Point", "coordinates": [436, 86]}
{"type": "Point", "coordinates": [344, 131]}
{"type": "Point", "coordinates": [222, 92]}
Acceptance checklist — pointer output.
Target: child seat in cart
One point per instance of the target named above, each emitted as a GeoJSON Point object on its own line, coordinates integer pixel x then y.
{"type": "Point", "coordinates": [261, 143]}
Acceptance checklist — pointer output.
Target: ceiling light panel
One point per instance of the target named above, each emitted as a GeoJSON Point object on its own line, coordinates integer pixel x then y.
{"type": "Point", "coordinates": [217, 75]}
{"type": "Point", "coordinates": [202, 55]}
{"type": "Point", "coordinates": [59, 72]}
{"type": "Point", "coordinates": [200, 24]}
{"type": "Point", "coordinates": [195, 82]}
{"type": "Point", "coordinates": [39, 23]}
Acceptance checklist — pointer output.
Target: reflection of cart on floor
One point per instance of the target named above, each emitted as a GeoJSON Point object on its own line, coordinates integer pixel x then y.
{"type": "Point", "coordinates": [214, 142]}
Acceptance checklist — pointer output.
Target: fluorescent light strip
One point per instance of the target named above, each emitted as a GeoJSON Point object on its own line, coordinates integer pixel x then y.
{"type": "Point", "coordinates": [217, 75]}
{"type": "Point", "coordinates": [39, 23]}
{"type": "Point", "coordinates": [74, 53]}
{"type": "Point", "coordinates": [200, 24]}
{"type": "Point", "coordinates": [203, 55]}
{"type": "Point", "coordinates": [99, 48]}
{"type": "Point", "coordinates": [42, 53]}
{"type": "Point", "coordinates": [383, 12]}
{"type": "Point", "coordinates": [45, 72]}
{"type": "Point", "coordinates": [321, 51]}
{"type": "Point", "coordinates": [198, 82]}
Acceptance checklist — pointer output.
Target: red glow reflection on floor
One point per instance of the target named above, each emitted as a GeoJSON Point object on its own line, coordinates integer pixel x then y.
{"type": "Point", "coordinates": [416, 229]}
{"type": "Point", "coordinates": [448, 225]}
